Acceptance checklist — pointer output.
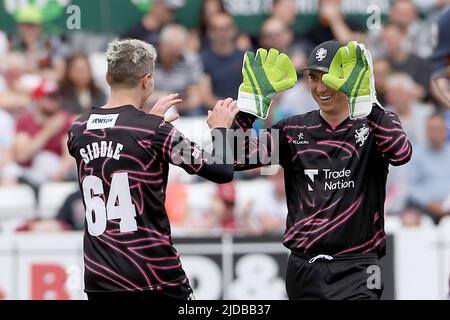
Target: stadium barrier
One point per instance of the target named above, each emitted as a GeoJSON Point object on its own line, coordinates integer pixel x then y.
{"type": "Point", "coordinates": [49, 266]}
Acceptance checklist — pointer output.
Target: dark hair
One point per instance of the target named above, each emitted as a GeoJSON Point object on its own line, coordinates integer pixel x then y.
{"type": "Point", "coordinates": [203, 25]}
{"type": "Point", "coordinates": [67, 84]}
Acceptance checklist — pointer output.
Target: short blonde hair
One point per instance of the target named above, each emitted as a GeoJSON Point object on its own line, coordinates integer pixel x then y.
{"type": "Point", "coordinates": [128, 61]}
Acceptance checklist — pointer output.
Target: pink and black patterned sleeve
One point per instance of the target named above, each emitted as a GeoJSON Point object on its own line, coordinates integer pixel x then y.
{"type": "Point", "coordinates": [176, 149]}
{"type": "Point", "coordinates": [390, 137]}
{"type": "Point", "coordinates": [256, 149]}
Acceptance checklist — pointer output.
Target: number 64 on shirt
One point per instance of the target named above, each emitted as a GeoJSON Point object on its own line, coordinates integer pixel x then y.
{"type": "Point", "coordinates": [124, 210]}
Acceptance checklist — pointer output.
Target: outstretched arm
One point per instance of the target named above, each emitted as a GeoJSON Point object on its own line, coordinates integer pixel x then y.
{"type": "Point", "coordinates": [176, 149]}
{"type": "Point", "coordinates": [253, 150]}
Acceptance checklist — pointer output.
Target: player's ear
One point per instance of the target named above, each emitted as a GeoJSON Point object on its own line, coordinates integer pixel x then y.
{"type": "Point", "coordinates": [147, 81]}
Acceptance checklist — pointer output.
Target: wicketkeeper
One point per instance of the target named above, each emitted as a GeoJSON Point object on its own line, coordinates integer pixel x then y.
{"type": "Point", "coordinates": [335, 163]}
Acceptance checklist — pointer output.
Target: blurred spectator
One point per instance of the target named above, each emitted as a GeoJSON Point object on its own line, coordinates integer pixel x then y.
{"type": "Point", "coordinates": [70, 217]}
{"type": "Point", "coordinates": [440, 63]}
{"type": "Point", "coordinates": [275, 33]}
{"type": "Point", "coordinates": [429, 173]}
{"type": "Point", "coordinates": [284, 10]}
{"type": "Point", "coordinates": [78, 90]}
{"type": "Point", "coordinates": [40, 147]}
{"type": "Point", "coordinates": [8, 169]}
{"type": "Point", "coordinates": [402, 97]}
{"type": "Point", "coordinates": [40, 49]}
{"type": "Point", "coordinates": [72, 212]}
{"type": "Point", "coordinates": [222, 61]}
{"type": "Point", "coordinates": [223, 210]}
{"type": "Point", "coordinates": [393, 40]}
{"type": "Point", "coordinates": [178, 71]}
{"type": "Point", "coordinates": [268, 213]}
{"type": "Point", "coordinates": [162, 12]}
{"type": "Point", "coordinates": [210, 9]}
{"type": "Point", "coordinates": [333, 25]}
{"type": "Point", "coordinates": [418, 34]}
{"type": "Point", "coordinates": [17, 84]}
{"type": "Point", "coordinates": [381, 70]}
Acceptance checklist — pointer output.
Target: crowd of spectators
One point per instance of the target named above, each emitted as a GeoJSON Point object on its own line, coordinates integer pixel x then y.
{"type": "Point", "coordinates": [43, 88]}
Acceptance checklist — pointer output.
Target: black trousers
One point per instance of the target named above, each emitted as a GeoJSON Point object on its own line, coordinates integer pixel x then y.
{"type": "Point", "coordinates": [347, 277]}
{"type": "Point", "coordinates": [177, 293]}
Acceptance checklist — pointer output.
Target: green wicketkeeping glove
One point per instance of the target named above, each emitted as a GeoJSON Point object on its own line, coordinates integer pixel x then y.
{"type": "Point", "coordinates": [264, 74]}
{"type": "Point", "coordinates": [351, 72]}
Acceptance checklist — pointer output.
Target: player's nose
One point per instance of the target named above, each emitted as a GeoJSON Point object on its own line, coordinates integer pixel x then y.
{"type": "Point", "coordinates": [322, 87]}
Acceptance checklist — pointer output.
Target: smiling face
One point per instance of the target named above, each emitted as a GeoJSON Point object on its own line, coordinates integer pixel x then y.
{"type": "Point", "coordinates": [328, 99]}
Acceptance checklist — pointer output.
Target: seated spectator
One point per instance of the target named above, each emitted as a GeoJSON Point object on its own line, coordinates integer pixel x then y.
{"type": "Point", "coordinates": [78, 90]}
{"type": "Point", "coordinates": [162, 12]}
{"type": "Point", "coordinates": [178, 71]}
{"type": "Point", "coordinates": [393, 41]}
{"type": "Point", "coordinates": [402, 97]}
{"type": "Point", "coordinates": [40, 49]}
{"type": "Point", "coordinates": [40, 147]}
{"type": "Point", "coordinates": [222, 61]}
{"type": "Point", "coordinates": [8, 169]}
{"type": "Point", "coordinates": [17, 84]}
{"type": "Point", "coordinates": [429, 174]}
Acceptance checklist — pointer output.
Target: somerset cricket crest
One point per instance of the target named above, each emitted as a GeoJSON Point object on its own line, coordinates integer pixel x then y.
{"type": "Point", "coordinates": [361, 135]}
